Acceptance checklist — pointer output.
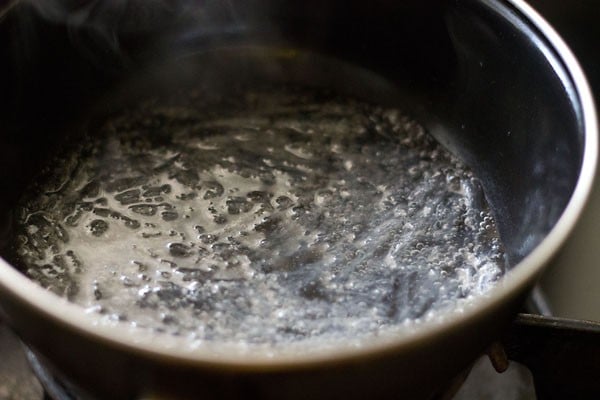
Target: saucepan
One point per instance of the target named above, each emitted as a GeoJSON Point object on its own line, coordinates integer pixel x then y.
{"type": "Point", "coordinates": [489, 79]}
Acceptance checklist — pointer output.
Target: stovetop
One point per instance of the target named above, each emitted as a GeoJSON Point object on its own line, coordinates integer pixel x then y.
{"type": "Point", "coordinates": [17, 381]}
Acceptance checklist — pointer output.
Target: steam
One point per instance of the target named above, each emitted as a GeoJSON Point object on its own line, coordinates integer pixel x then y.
{"type": "Point", "coordinates": [101, 29]}
{"type": "Point", "coordinates": [96, 27]}
{"type": "Point", "coordinates": [109, 15]}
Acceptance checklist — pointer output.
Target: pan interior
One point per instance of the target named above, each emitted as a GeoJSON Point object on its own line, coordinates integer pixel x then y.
{"type": "Point", "coordinates": [250, 198]}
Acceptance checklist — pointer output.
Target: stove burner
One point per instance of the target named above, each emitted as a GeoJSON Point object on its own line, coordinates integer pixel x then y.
{"type": "Point", "coordinates": [55, 389]}
{"type": "Point", "coordinates": [17, 381]}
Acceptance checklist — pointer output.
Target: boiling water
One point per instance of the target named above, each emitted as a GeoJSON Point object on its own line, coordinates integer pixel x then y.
{"type": "Point", "coordinates": [279, 216]}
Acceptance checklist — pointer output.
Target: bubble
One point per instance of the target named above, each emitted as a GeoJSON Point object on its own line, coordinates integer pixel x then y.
{"type": "Point", "coordinates": [128, 197]}
{"type": "Point", "coordinates": [97, 292]}
{"type": "Point", "coordinates": [157, 190]}
{"type": "Point", "coordinates": [179, 250]}
{"type": "Point", "coordinates": [144, 209]}
{"type": "Point", "coordinates": [213, 189]}
{"type": "Point", "coordinates": [169, 215]}
{"type": "Point", "coordinates": [258, 196]}
{"type": "Point", "coordinates": [284, 202]}
{"type": "Point", "coordinates": [220, 219]}
{"type": "Point", "coordinates": [208, 238]}
{"type": "Point", "coordinates": [237, 205]}
{"type": "Point", "coordinates": [98, 227]}
{"type": "Point", "coordinates": [187, 196]}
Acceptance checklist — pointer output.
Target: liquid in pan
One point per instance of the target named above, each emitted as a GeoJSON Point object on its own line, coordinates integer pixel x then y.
{"type": "Point", "coordinates": [279, 215]}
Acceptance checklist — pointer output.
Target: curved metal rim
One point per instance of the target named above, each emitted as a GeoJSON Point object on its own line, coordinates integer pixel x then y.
{"type": "Point", "coordinates": [166, 348]}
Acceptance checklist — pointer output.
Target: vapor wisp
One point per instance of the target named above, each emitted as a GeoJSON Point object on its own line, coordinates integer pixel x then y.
{"type": "Point", "coordinates": [96, 27]}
